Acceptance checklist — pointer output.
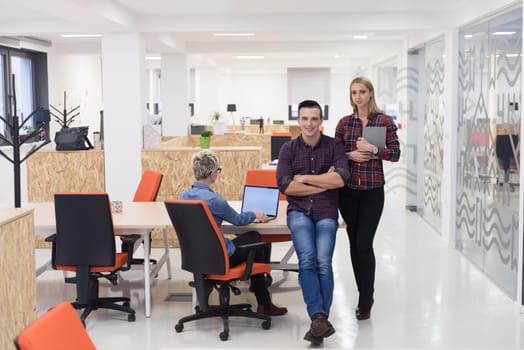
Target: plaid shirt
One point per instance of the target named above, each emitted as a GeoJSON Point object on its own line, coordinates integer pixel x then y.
{"type": "Point", "coordinates": [368, 175]}
{"type": "Point", "coordinates": [298, 158]}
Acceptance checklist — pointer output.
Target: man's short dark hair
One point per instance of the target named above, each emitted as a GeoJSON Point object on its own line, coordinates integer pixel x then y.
{"type": "Point", "coordinates": [310, 104]}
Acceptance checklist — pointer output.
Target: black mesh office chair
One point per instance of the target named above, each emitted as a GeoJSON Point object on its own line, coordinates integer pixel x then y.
{"type": "Point", "coordinates": [85, 243]}
{"type": "Point", "coordinates": [204, 253]}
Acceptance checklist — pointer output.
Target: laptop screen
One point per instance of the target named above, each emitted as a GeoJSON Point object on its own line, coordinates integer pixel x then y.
{"type": "Point", "coordinates": [261, 198]}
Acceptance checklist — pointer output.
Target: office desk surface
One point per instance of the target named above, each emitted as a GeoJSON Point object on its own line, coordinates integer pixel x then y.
{"type": "Point", "coordinates": [134, 215]}
{"type": "Point", "coordinates": [140, 215]}
{"type": "Point", "coordinates": [277, 226]}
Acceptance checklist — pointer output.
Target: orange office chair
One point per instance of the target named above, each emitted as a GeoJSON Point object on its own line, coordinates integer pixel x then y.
{"type": "Point", "coordinates": [146, 191]}
{"type": "Point", "coordinates": [85, 244]}
{"type": "Point", "coordinates": [204, 253]}
{"type": "Point", "coordinates": [58, 329]}
{"type": "Point", "coordinates": [268, 177]}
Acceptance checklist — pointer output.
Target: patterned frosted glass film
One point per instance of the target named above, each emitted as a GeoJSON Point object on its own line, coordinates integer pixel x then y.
{"type": "Point", "coordinates": [488, 143]}
{"type": "Point", "coordinates": [433, 132]}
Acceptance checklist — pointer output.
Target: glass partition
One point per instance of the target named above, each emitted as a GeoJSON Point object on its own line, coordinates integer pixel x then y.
{"type": "Point", "coordinates": [488, 143]}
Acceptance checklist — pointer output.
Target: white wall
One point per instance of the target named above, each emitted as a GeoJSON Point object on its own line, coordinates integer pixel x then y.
{"type": "Point", "coordinates": [256, 93]}
{"type": "Point", "coordinates": [79, 74]}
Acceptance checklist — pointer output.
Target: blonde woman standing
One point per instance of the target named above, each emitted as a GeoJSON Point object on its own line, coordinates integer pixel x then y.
{"type": "Point", "coordinates": [362, 199]}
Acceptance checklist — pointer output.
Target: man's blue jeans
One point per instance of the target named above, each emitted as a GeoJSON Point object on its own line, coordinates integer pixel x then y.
{"type": "Point", "coordinates": [314, 243]}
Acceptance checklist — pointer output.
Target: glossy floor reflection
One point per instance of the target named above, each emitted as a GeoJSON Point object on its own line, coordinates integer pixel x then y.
{"type": "Point", "coordinates": [427, 296]}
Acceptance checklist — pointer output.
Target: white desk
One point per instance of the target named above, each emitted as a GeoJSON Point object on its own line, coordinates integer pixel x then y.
{"type": "Point", "coordinates": [135, 218]}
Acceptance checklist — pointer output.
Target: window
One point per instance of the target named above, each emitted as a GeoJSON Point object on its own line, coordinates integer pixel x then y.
{"type": "Point", "coordinates": [30, 86]}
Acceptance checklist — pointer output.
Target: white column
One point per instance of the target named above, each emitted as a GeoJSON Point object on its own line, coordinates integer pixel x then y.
{"type": "Point", "coordinates": [449, 177]}
{"type": "Point", "coordinates": [123, 75]}
{"type": "Point", "coordinates": [175, 105]}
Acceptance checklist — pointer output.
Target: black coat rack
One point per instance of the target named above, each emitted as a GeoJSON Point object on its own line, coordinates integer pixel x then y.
{"type": "Point", "coordinates": [64, 118]}
{"type": "Point", "coordinates": [17, 140]}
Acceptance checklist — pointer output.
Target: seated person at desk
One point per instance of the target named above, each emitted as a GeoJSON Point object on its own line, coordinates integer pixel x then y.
{"type": "Point", "coordinates": [206, 169]}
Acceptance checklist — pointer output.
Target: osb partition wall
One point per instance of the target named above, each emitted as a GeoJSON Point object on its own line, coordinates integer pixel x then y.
{"type": "Point", "coordinates": [268, 129]}
{"type": "Point", "coordinates": [64, 171]}
{"type": "Point", "coordinates": [229, 140]}
{"type": "Point", "coordinates": [176, 166]}
{"type": "Point", "coordinates": [17, 280]}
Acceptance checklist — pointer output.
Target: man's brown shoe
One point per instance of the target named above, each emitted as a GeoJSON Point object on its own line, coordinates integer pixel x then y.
{"type": "Point", "coordinates": [272, 311]}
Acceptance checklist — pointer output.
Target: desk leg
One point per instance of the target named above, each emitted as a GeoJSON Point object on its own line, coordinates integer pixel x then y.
{"type": "Point", "coordinates": [147, 282]}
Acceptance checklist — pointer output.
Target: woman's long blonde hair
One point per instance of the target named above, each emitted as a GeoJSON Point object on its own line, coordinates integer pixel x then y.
{"type": "Point", "coordinates": [372, 106]}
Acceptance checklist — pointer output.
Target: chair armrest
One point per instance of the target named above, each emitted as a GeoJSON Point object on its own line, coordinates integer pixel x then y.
{"type": "Point", "coordinates": [51, 238]}
{"type": "Point", "coordinates": [252, 247]}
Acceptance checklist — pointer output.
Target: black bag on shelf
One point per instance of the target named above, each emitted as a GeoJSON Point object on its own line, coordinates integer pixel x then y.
{"type": "Point", "coordinates": [72, 139]}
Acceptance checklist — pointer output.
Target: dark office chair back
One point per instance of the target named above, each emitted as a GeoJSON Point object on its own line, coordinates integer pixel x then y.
{"type": "Point", "coordinates": [84, 228]}
{"type": "Point", "coordinates": [199, 237]}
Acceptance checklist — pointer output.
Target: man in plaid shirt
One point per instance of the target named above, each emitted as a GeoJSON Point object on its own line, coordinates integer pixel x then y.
{"type": "Point", "coordinates": [311, 169]}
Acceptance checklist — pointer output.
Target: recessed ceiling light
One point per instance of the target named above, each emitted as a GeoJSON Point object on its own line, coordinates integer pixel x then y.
{"type": "Point", "coordinates": [503, 33]}
{"type": "Point", "coordinates": [336, 56]}
{"type": "Point", "coordinates": [153, 58]}
{"type": "Point", "coordinates": [233, 34]}
{"type": "Point", "coordinates": [80, 35]}
{"type": "Point", "coordinates": [250, 57]}
{"type": "Point", "coordinates": [467, 36]}
{"type": "Point", "coordinates": [512, 55]}
{"type": "Point", "coordinates": [360, 37]}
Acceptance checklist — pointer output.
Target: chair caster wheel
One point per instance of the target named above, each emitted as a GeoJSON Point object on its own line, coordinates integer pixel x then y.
{"type": "Point", "coordinates": [131, 318]}
{"type": "Point", "coordinates": [224, 335]}
{"type": "Point", "coordinates": [179, 327]}
{"type": "Point", "coordinates": [266, 324]}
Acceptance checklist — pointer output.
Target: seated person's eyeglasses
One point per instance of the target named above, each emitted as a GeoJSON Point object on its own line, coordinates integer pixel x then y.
{"type": "Point", "coordinates": [218, 171]}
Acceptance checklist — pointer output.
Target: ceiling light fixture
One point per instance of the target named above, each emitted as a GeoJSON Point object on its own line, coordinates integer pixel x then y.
{"type": "Point", "coordinates": [503, 33]}
{"type": "Point", "coordinates": [233, 34]}
{"type": "Point", "coordinates": [250, 57]}
{"type": "Point", "coordinates": [360, 37]}
{"type": "Point", "coordinates": [153, 58]}
{"type": "Point", "coordinates": [80, 35]}
{"type": "Point", "coordinates": [467, 36]}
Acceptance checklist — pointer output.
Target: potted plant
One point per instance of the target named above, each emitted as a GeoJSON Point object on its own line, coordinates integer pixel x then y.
{"type": "Point", "coordinates": [205, 138]}
{"type": "Point", "coordinates": [215, 117]}
{"type": "Point", "coordinates": [219, 127]}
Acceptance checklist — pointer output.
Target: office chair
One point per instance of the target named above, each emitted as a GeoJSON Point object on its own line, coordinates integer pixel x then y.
{"type": "Point", "coordinates": [204, 253]}
{"type": "Point", "coordinates": [146, 191]}
{"type": "Point", "coordinates": [278, 138]}
{"type": "Point", "coordinates": [58, 329]}
{"type": "Point", "coordinates": [268, 177]}
{"type": "Point", "coordinates": [85, 243]}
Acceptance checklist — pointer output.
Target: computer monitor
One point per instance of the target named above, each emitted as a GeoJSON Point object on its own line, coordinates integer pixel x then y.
{"type": "Point", "coordinates": [293, 112]}
{"type": "Point", "coordinates": [276, 144]}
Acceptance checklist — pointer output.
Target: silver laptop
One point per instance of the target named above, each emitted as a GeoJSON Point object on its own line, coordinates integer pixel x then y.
{"type": "Point", "coordinates": [375, 135]}
{"type": "Point", "coordinates": [261, 198]}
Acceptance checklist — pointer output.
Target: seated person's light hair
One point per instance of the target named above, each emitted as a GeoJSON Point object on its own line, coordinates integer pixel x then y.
{"type": "Point", "coordinates": [204, 163]}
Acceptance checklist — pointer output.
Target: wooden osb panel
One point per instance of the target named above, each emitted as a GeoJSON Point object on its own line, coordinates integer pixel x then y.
{"type": "Point", "coordinates": [176, 166]}
{"type": "Point", "coordinates": [239, 140]}
{"type": "Point", "coordinates": [268, 129]}
{"type": "Point", "coordinates": [64, 171]}
{"type": "Point", "coordinates": [17, 280]}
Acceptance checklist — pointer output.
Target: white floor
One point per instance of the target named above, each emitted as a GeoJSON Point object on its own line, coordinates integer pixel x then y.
{"type": "Point", "coordinates": [427, 296]}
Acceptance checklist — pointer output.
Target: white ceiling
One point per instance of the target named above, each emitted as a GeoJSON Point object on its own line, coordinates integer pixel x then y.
{"type": "Point", "coordinates": [310, 30]}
